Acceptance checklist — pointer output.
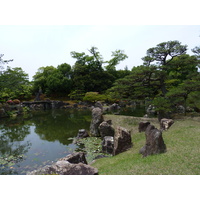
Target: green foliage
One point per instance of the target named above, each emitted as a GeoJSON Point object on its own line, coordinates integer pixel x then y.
{"type": "Point", "coordinates": [94, 96]}
{"type": "Point", "coordinates": [164, 53]}
{"type": "Point", "coordinates": [162, 104]}
{"type": "Point", "coordinates": [168, 76]}
{"type": "Point", "coordinates": [194, 100]}
{"type": "Point", "coordinates": [14, 83]}
{"type": "Point", "coordinates": [88, 73]}
{"type": "Point", "coordinates": [77, 95]}
{"type": "Point", "coordinates": [54, 81]}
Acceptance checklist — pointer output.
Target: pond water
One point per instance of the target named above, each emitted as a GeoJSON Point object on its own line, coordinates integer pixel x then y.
{"type": "Point", "coordinates": [42, 137]}
{"type": "Point", "coordinates": [39, 139]}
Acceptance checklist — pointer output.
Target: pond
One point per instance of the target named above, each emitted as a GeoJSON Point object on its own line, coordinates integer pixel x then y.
{"type": "Point", "coordinates": [42, 137]}
{"type": "Point", "coordinates": [39, 139]}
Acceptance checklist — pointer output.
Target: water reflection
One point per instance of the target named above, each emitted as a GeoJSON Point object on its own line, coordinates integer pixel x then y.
{"type": "Point", "coordinates": [12, 147]}
{"type": "Point", "coordinates": [59, 126]}
{"type": "Point", "coordinates": [38, 139]}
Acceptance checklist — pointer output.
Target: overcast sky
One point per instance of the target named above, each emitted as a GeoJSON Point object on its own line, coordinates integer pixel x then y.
{"type": "Point", "coordinates": [40, 33]}
{"type": "Point", "coordinates": [34, 46]}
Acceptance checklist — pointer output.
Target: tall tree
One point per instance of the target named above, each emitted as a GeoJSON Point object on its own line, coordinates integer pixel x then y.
{"type": "Point", "coordinates": [14, 83]}
{"type": "Point", "coordinates": [162, 55]}
{"type": "Point", "coordinates": [54, 81]}
{"type": "Point", "coordinates": [88, 72]}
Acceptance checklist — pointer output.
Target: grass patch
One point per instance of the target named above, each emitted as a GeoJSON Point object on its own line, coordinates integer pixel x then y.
{"type": "Point", "coordinates": [182, 156]}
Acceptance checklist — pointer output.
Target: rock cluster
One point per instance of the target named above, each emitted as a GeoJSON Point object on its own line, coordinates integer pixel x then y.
{"type": "Point", "coordinates": [113, 141]}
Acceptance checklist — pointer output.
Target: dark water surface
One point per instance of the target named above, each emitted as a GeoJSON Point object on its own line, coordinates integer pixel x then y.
{"type": "Point", "coordinates": [39, 139]}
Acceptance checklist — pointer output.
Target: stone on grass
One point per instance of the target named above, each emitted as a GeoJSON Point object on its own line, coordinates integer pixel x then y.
{"type": "Point", "coordinates": [165, 124]}
{"type": "Point", "coordinates": [154, 142]}
{"type": "Point", "coordinates": [142, 126]}
{"type": "Point", "coordinates": [122, 140]}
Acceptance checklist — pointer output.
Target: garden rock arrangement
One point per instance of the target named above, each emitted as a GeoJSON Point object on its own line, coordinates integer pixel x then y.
{"type": "Point", "coordinates": [106, 129]}
{"type": "Point", "coordinates": [74, 164]}
{"type": "Point", "coordinates": [113, 141]}
{"type": "Point", "coordinates": [108, 144]}
{"type": "Point", "coordinates": [143, 126]}
{"type": "Point", "coordinates": [122, 140]}
{"type": "Point", "coordinates": [154, 142]}
{"type": "Point", "coordinates": [97, 119]}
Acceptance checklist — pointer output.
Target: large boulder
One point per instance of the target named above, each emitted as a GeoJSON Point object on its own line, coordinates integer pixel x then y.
{"type": "Point", "coordinates": [108, 144]}
{"type": "Point", "coordinates": [74, 164]}
{"type": "Point", "coordinates": [97, 119]}
{"type": "Point", "coordinates": [75, 158]}
{"type": "Point", "coordinates": [65, 168]}
{"type": "Point", "coordinates": [122, 140]}
{"type": "Point", "coordinates": [143, 126]}
{"type": "Point", "coordinates": [165, 124]}
{"type": "Point", "coordinates": [154, 142]}
{"type": "Point", "coordinates": [106, 129]}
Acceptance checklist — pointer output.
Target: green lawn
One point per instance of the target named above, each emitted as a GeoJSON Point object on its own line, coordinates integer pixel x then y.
{"type": "Point", "coordinates": [182, 156]}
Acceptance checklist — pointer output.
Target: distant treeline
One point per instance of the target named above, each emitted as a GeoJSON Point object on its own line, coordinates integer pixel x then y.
{"type": "Point", "coordinates": [168, 77]}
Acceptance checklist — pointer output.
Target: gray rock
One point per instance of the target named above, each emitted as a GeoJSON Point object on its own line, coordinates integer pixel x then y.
{"type": "Point", "coordinates": [106, 129]}
{"type": "Point", "coordinates": [98, 104]}
{"type": "Point", "coordinates": [122, 140]}
{"type": "Point", "coordinates": [75, 158]}
{"type": "Point", "coordinates": [154, 142]}
{"type": "Point", "coordinates": [142, 126]}
{"type": "Point", "coordinates": [97, 119]}
{"type": "Point", "coordinates": [65, 168]}
{"type": "Point", "coordinates": [108, 144]}
{"type": "Point", "coordinates": [165, 124]}
{"type": "Point", "coordinates": [74, 164]}
{"type": "Point", "coordinates": [82, 133]}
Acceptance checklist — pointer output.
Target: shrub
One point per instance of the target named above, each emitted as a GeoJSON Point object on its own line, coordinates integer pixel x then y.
{"type": "Point", "coordinates": [16, 101]}
{"type": "Point", "coordinates": [10, 102]}
{"type": "Point", "coordinates": [94, 96]}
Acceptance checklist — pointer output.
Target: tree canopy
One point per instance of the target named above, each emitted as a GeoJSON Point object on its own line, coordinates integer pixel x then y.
{"type": "Point", "coordinates": [168, 77]}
